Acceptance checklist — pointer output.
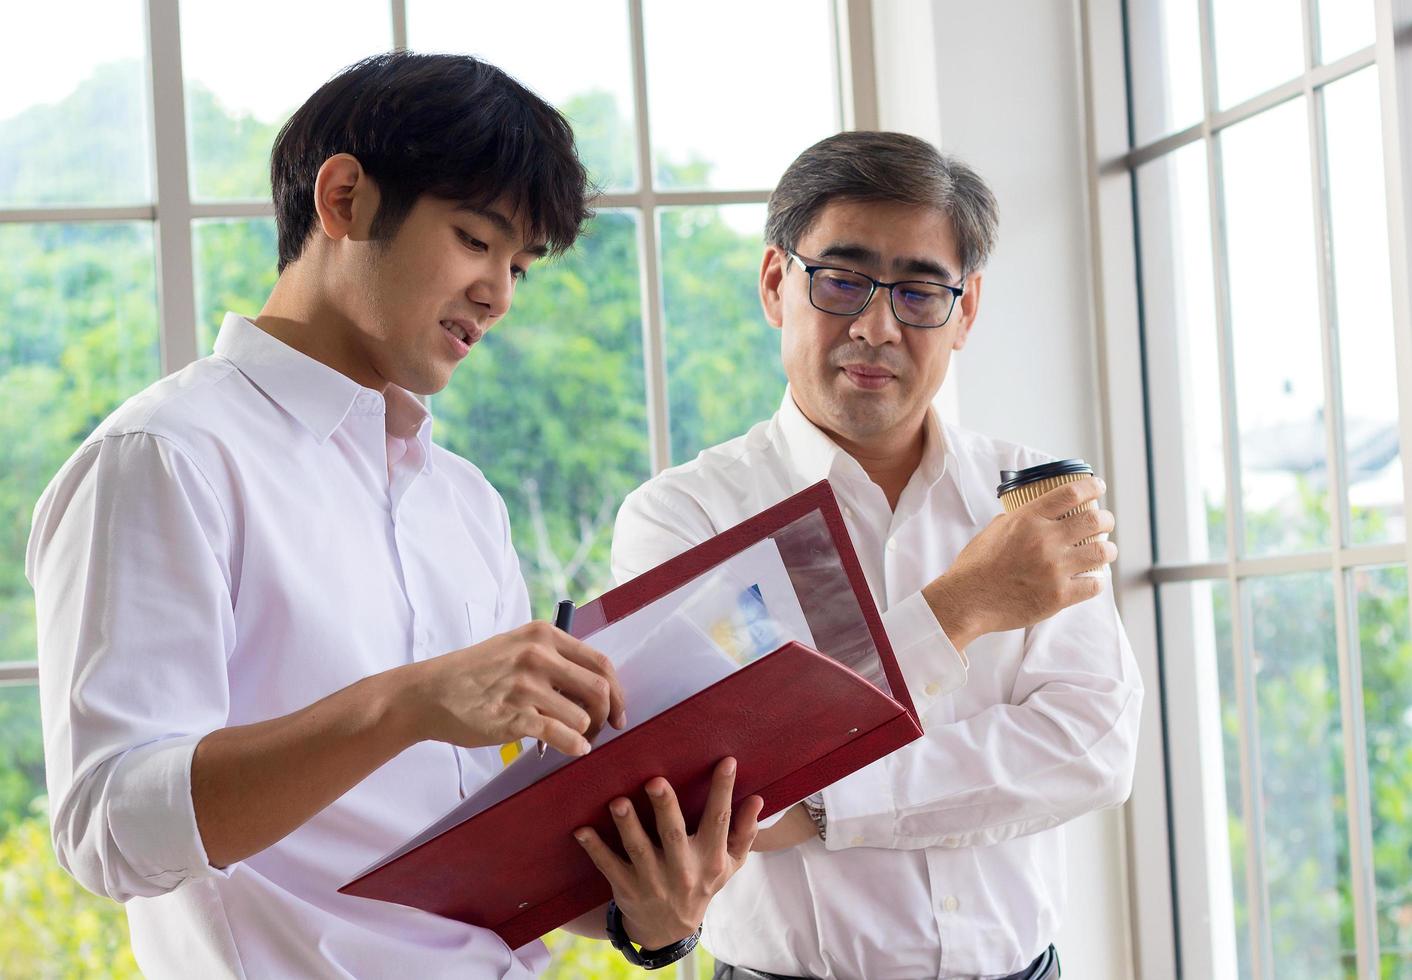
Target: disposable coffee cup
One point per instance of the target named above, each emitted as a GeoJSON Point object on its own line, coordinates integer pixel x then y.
{"type": "Point", "coordinates": [1019, 487]}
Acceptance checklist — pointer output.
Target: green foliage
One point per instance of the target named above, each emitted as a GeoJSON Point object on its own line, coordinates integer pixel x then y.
{"type": "Point", "coordinates": [235, 262]}
{"type": "Point", "coordinates": [89, 149]}
{"type": "Point", "coordinates": [723, 360]}
{"type": "Point", "coordinates": [1299, 735]}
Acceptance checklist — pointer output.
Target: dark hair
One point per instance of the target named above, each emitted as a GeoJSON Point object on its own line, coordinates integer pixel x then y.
{"type": "Point", "coordinates": [439, 124]}
{"type": "Point", "coordinates": [866, 166]}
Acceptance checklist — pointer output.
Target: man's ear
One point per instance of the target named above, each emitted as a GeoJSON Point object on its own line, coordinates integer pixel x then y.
{"type": "Point", "coordinates": [345, 198]}
{"type": "Point", "coordinates": [967, 307]}
{"type": "Point", "coordinates": [772, 270]}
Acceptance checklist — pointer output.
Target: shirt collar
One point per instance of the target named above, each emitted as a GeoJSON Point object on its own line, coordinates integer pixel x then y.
{"type": "Point", "coordinates": [814, 456]}
{"type": "Point", "coordinates": [316, 395]}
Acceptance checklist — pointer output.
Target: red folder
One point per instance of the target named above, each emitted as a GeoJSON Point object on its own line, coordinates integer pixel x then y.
{"type": "Point", "coordinates": [796, 720]}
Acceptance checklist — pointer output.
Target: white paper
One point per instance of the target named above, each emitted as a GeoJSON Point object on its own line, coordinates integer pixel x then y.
{"type": "Point", "coordinates": [663, 655]}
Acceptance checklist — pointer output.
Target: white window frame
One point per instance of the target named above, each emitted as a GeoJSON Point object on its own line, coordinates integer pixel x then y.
{"type": "Point", "coordinates": [173, 211]}
{"type": "Point", "coordinates": [1174, 885]}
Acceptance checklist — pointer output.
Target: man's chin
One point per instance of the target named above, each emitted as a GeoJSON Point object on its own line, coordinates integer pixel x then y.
{"type": "Point", "coordinates": [425, 383]}
{"type": "Point", "coordinates": [863, 416]}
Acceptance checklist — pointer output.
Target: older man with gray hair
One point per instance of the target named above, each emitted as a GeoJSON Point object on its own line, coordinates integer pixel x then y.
{"type": "Point", "coordinates": [945, 859]}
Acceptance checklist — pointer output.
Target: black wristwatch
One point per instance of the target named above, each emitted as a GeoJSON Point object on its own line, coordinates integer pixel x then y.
{"type": "Point", "coordinates": [648, 959]}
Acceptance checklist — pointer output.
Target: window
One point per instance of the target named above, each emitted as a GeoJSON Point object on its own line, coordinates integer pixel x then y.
{"type": "Point", "coordinates": [1248, 172]}
{"type": "Point", "coordinates": [134, 211]}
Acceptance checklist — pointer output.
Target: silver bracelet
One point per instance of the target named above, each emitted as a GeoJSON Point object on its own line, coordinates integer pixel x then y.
{"type": "Point", "coordinates": [814, 806]}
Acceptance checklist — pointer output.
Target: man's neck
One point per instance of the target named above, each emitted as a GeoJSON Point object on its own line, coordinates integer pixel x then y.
{"type": "Point", "coordinates": [295, 315]}
{"type": "Point", "coordinates": [889, 459]}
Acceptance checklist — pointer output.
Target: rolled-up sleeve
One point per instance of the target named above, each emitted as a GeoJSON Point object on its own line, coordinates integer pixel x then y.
{"type": "Point", "coordinates": [130, 559]}
{"type": "Point", "coordinates": [1064, 745]}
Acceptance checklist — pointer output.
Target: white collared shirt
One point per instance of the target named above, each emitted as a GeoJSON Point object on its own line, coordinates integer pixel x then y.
{"type": "Point", "coordinates": [236, 542]}
{"type": "Point", "coordinates": [946, 858]}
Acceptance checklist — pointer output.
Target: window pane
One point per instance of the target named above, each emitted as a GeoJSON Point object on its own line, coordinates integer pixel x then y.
{"type": "Point", "coordinates": [551, 405]}
{"type": "Point", "coordinates": [1344, 27]}
{"type": "Point", "coordinates": [74, 126]}
{"type": "Point", "coordinates": [594, 92]}
{"type": "Point", "coordinates": [1164, 50]}
{"type": "Point", "coordinates": [723, 359]}
{"type": "Point", "coordinates": [235, 261]}
{"type": "Point", "coordinates": [79, 306]}
{"type": "Point", "coordinates": [1275, 325]}
{"type": "Point", "coordinates": [1183, 357]}
{"type": "Point", "coordinates": [1259, 44]}
{"type": "Point", "coordinates": [53, 927]}
{"type": "Point", "coordinates": [1302, 775]}
{"type": "Point", "coordinates": [713, 123]}
{"type": "Point", "coordinates": [1386, 645]}
{"type": "Point", "coordinates": [1196, 638]}
{"type": "Point", "coordinates": [1363, 308]}
{"type": "Point", "coordinates": [234, 108]}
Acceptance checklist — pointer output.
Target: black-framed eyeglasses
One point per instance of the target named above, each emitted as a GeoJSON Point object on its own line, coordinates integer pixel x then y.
{"type": "Point", "coordinates": [844, 292]}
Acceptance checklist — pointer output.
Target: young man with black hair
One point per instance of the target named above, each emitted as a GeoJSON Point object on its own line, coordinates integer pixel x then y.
{"type": "Point", "coordinates": [249, 576]}
{"type": "Point", "coordinates": [945, 859]}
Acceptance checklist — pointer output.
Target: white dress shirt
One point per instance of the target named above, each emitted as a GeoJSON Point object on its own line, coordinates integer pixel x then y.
{"type": "Point", "coordinates": [946, 858]}
{"type": "Point", "coordinates": [236, 542]}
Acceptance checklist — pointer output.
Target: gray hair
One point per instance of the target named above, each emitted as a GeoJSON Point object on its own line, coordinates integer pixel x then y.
{"type": "Point", "coordinates": [867, 166]}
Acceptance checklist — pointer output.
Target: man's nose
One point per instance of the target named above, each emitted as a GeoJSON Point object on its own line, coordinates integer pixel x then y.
{"type": "Point", "coordinates": [876, 325]}
{"type": "Point", "coordinates": [493, 292]}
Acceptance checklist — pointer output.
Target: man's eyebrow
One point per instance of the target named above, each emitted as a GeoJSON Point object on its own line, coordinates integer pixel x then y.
{"type": "Point", "coordinates": [914, 266]}
{"type": "Point", "coordinates": [504, 226]}
{"type": "Point", "coordinates": [907, 265]}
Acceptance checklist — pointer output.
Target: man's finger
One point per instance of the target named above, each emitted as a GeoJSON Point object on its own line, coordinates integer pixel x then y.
{"type": "Point", "coordinates": [716, 818]}
{"type": "Point", "coordinates": [671, 826]}
{"type": "Point", "coordinates": [641, 854]}
{"type": "Point", "coordinates": [744, 828]}
{"type": "Point", "coordinates": [1086, 523]}
{"type": "Point", "coordinates": [590, 659]}
{"type": "Point", "coordinates": [551, 731]}
{"type": "Point", "coordinates": [1081, 588]}
{"type": "Point", "coordinates": [1083, 557]}
{"type": "Point", "coordinates": [581, 686]}
{"type": "Point", "coordinates": [609, 865]}
{"type": "Point", "coordinates": [1062, 499]}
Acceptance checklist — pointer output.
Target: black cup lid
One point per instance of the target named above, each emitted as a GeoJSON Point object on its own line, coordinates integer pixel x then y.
{"type": "Point", "coordinates": [1013, 479]}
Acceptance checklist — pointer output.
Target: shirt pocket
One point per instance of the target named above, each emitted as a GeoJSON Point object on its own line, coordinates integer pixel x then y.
{"type": "Point", "coordinates": [478, 622]}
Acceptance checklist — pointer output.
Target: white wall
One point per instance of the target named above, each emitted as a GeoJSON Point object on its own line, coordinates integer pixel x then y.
{"type": "Point", "coordinates": [1000, 87]}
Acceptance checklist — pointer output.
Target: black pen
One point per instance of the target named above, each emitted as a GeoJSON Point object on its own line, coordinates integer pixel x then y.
{"type": "Point", "coordinates": [564, 620]}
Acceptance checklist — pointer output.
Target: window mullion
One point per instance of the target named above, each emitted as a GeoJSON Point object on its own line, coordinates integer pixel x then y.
{"type": "Point", "coordinates": [176, 293]}
{"type": "Point", "coordinates": [1359, 829]}
{"type": "Point", "coordinates": [1394, 60]}
{"type": "Point", "coordinates": [1250, 780]}
{"type": "Point", "coordinates": [653, 330]}
{"type": "Point", "coordinates": [399, 24]}
{"type": "Point", "coordinates": [856, 73]}
{"type": "Point", "coordinates": [19, 672]}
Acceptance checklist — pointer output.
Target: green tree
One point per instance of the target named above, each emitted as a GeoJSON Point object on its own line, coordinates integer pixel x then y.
{"type": "Point", "coordinates": [1291, 623]}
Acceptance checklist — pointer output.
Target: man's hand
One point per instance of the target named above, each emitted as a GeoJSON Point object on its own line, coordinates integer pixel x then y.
{"type": "Point", "coordinates": [663, 892]}
{"type": "Point", "coordinates": [1022, 568]}
{"type": "Point", "coordinates": [790, 830]}
{"type": "Point", "coordinates": [532, 682]}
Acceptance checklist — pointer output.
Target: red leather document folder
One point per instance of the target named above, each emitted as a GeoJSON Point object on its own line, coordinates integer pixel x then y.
{"type": "Point", "coordinates": [796, 719]}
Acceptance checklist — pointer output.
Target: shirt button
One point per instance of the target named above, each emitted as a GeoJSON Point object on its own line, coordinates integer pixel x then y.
{"type": "Point", "coordinates": [951, 842]}
{"type": "Point", "coordinates": [950, 903]}
{"type": "Point", "coordinates": [857, 842]}
{"type": "Point", "coordinates": [848, 513]}
{"type": "Point", "coordinates": [932, 689]}
{"type": "Point", "coordinates": [891, 544]}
